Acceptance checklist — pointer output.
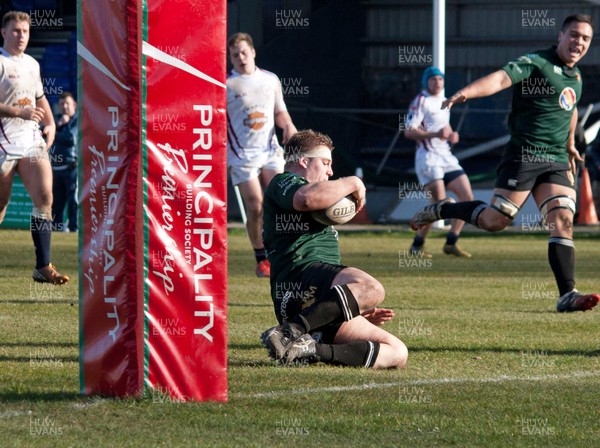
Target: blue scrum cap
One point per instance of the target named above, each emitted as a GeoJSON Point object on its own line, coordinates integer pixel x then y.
{"type": "Point", "coordinates": [428, 73]}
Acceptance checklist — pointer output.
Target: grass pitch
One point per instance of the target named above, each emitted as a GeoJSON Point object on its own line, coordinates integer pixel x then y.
{"type": "Point", "coordinates": [491, 363]}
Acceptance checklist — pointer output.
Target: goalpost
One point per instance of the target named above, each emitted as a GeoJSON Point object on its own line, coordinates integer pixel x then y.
{"type": "Point", "coordinates": [153, 245]}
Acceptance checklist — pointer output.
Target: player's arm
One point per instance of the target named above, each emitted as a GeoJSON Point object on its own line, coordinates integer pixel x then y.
{"type": "Point", "coordinates": [47, 121]}
{"type": "Point", "coordinates": [574, 156]}
{"type": "Point", "coordinates": [284, 121]}
{"type": "Point", "coordinates": [482, 87]}
{"type": "Point", "coordinates": [423, 134]}
{"type": "Point", "coordinates": [27, 113]}
{"type": "Point", "coordinates": [320, 195]}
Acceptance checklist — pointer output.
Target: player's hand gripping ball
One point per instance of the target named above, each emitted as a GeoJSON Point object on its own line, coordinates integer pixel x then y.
{"type": "Point", "coordinates": [339, 213]}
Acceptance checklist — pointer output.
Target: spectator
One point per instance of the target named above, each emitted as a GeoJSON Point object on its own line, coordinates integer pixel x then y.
{"type": "Point", "coordinates": [64, 165]}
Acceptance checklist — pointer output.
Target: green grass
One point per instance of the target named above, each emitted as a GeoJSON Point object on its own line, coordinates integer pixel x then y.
{"type": "Point", "coordinates": [491, 363]}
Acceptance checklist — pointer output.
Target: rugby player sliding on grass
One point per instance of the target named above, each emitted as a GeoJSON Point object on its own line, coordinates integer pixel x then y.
{"type": "Point", "coordinates": [540, 157]}
{"type": "Point", "coordinates": [326, 311]}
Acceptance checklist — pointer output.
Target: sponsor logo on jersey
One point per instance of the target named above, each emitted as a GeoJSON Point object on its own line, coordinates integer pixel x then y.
{"type": "Point", "coordinates": [255, 120]}
{"type": "Point", "coordinates": [512, 182]}
{"type": "Point", "coordinates": [557, 70]}
{"type": "Point", "coordinates": [23, 102]}
{"type": "Point", "coordinates": [567, 98]}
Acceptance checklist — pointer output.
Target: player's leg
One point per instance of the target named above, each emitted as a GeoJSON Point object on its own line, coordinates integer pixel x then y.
{"type": "Point", "coordinates": [357, 343]}
{"type": "Point", "coordinates": [436, 192]}
{"type": "Point", "coordinates": [352, 292]}
{"type": "Point", "coordinates": [7, 173]}
{"type": "Point", "coordinates": [430, 175]}
{"type": "Point", "coordinates": [513, 185]}
{"type": "Point", "coordinates": [461, 187]}
{"type": "Point", "coordinates": [36, 174]}
{"type": "Point", "coordinates": [337, 294]}
{"type": "Point", "coordinates": [267, 175]}
{"type": "Point", "coordinates": [458, 183]}
{"type": "Point", "coordinates": [252, 195]}
{"type": "Point", "coordinates": [557, 205]}
{"type": "Point", "coordinates": [492, 217]}
{"type": "Point", "coordinates": [391, 351]}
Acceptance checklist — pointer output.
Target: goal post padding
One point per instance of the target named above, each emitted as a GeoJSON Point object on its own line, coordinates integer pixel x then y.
{"type": "Point", "coordinates": [153, 263]}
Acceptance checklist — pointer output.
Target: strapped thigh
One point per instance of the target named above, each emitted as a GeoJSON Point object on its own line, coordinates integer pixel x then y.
{"type": "Point", "coordinates": [505, 206]}
{"type": "Point", "coordinates": [556, 202]}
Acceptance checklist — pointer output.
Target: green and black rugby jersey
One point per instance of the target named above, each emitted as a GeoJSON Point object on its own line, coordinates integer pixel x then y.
{"type": "Point", "coordinates": [545, 95]}
{"type": "Point", "coordinates": [293, 239]}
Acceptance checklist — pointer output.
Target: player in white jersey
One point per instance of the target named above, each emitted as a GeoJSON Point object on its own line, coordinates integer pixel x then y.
{"type": "Point", "coordinates": [437, 168]}
{"type": "Point", "coordinates": [23, 148]}
{"type": "Point", "coordinates": [254, 106]}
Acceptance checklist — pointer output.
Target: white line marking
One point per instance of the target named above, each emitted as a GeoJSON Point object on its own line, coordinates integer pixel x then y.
{"type": "Point", "coordinates": [8, 414]}
{"type": "Point", "coordinates": [161, 56]}
{"type": "Point", "coordinates": [89, 404]}
{"type": "Point", "coordinates": [88, 56]}
{"type": "Point", "coordinates": [425, 382]}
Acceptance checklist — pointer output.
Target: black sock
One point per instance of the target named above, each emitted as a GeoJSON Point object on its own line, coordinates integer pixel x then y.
{"type": "Point", "coordinates": [260, 254]}
{"type": "Point", "coordinates": [452, 238]}
{"type": "Point", "coordinates": [41, 232]}
{"type": "Point", "coordinates": [339, 306]}
{"type": "Point", "coordinates": [467, 211]}
{"type": "Point", "coordinates": [561, 255]}
{"type": "Point", "coordinates": [355, 353]}
{"type": "Point", "coordinates": [418, 241]}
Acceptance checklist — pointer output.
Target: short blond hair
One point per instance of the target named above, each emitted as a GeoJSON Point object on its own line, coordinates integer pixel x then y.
{"type": "Point", "coordinates": [17, 16]}
{"type": "Point", "coordinates": [240, 37]}
{"type": "Point", "coordinates": [303, 142]}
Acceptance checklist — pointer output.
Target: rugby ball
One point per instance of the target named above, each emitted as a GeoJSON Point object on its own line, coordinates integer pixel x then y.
{"type": "Point", "coordinates": [339, 213]}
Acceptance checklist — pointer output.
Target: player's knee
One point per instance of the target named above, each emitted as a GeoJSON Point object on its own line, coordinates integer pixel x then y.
{"type": "Point", "coordinates": [499, 214]}
{"type": "Point", "coordinates": [368, 293]}
{"type": "Point", "coordinates": [376, 290]}
{"type": "Point", "coordinates": [495, 225]}
{"type": "Point", "coordinates": [254, 207]}
{"type": "Point", "coordinates": [400, 359]}
{"type": "Point", "coordinates": [560, 223]}
{"type": "Point", "coordinates": [44, 202]}
{"type": "Point", "coordinates": [392, 354]}
{"type": "Point", "coordinates": [558, 213]}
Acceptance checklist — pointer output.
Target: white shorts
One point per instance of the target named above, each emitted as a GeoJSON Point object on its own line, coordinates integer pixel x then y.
{"type": "Point", "coordinates": [11, 154]}
{"type": "Point", "coordinates": [432, 166]}
{"type": "Point", "coordinates": [249, 167]}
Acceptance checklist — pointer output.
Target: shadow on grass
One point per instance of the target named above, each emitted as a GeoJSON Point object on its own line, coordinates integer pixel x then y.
{"type": "Point", "coordinates": [39, 344]}
{"type": "Point", "coordinates": [14, 397]}
{"type": "Point", "coordinates": [244, 346]}
{"type": "Point", "coordinates": [251, 362]}
{"type": "Point", "coordinates": [39, 302]}
{"type": "Point", "coordinates": [40, 359]}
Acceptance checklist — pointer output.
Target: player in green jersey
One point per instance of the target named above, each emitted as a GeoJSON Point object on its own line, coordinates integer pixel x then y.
{"type": "Point", "coordinates": [541, 156]}
{"type": "Point", "coordinates": [326, 311]}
